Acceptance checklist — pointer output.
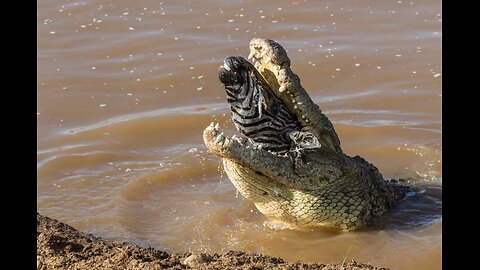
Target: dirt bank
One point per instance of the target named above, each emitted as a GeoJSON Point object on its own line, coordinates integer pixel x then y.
{"type": "Point", "coordinates": [60, 246]}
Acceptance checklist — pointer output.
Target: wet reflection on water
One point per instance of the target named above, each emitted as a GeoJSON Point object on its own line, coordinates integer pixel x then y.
{"type": "Point", "coordinates": [422, 208]}
{"type": "Point", "coordinates": [126, 88]}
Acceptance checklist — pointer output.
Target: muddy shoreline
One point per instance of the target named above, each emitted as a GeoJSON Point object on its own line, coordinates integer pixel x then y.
{"type": "Point", "coordinates": [60, 246]}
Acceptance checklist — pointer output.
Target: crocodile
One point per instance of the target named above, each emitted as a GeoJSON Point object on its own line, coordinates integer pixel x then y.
{"type": "Point", "coordinates": [302, 186]}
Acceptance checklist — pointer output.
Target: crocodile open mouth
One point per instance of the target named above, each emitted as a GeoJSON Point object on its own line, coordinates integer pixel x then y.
{"type": "Point", "coordinates": [288, 159]}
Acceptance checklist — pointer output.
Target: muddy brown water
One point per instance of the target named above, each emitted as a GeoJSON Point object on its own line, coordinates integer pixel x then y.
{"type": "Point", "coordinates": [125, 89]}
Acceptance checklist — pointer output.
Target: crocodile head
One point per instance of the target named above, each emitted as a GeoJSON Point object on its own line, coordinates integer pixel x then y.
{"type": "Point", "coordinates": [329, 189]}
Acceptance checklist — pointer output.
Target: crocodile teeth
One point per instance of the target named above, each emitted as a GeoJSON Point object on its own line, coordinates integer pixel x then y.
{"type": "Point", "coordinates": [211, 127]}
{"type": "Point", "coordinates": [216, 127]}
{"type": "Point", "coordinates": [220, 138]}
{"type": "Point", "coordinates": [282, 88]}
{"type": "Point", "coordinates": [257, 146]}
{"type": "Point", "coordinates": [267, 60]}
{"type": "Point", "coordinates": [251, 56]}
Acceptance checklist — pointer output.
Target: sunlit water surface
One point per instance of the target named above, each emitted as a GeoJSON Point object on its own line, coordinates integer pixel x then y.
{"type": "Point", "coordinates": [125, 89]}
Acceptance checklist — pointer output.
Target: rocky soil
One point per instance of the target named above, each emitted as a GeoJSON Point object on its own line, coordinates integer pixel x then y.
{"type": "Point", "coordinates": [60, 246]}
